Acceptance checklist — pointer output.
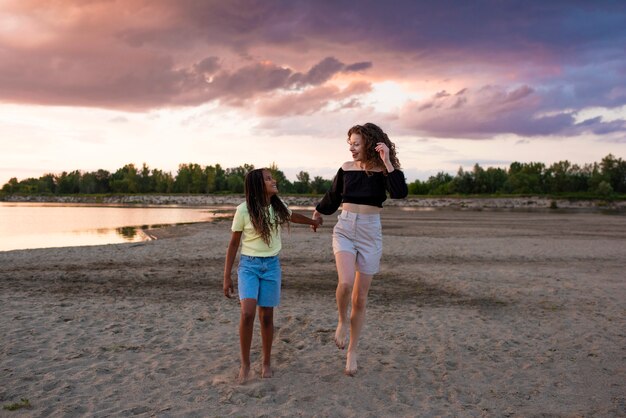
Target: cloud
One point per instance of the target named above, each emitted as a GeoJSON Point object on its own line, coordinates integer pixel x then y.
{"type": "Point", "coordinates": [119, 119]}
{"type": "Point", "coordinates": [482, 162]}
{"type": "Point", "coordinates": [559, 57]}
{"type": "Point", "coordinates": [494, 110]}
{"type": "Point", "coordinates": [358, 67]}
{"type": "Point", "coordinates": [311, 100]}
{"type": "Point", "coordinates": [320, 72]}
{"type": "Point", "coordinates": [262, 78]}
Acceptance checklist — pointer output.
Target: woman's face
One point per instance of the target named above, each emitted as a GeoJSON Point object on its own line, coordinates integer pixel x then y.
{"type": "Point", "coordinates": [270, 184]}
{"type": "Point", "coordinates": [357, 147]}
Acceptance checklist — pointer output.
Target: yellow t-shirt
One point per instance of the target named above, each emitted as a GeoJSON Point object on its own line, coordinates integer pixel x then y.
{"type": "Point", "coordinates": [251, 242]}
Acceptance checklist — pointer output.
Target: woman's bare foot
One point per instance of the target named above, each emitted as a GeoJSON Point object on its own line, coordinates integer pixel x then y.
{"type": "Point", "coordinates": [351, 364]}
{"type": "Point", "coordinates": [340, 336]}
{"type": "Point", "coordinates": [244, 372]}
{"type": "Point", "coordinates": [266, 372]}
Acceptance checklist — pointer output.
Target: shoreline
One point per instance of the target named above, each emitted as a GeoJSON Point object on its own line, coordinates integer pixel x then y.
{"type": "Point", "coordinates": [525, 202]}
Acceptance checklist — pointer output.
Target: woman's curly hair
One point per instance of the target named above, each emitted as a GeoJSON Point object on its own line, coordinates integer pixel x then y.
{"type": "Point", "coordinates": [372, 134]}
{"type": "Point", "coordinates": [258, 206]}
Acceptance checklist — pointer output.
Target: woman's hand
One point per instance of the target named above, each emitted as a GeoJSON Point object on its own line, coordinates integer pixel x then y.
{"type": "Point", "coordinates": [383, 152]}
{"type": "Point", "coordinates": [318, 220]}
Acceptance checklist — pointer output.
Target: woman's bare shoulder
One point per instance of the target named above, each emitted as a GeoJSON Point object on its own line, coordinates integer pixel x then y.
{"type": "Point", "coordinates": [353, 166]}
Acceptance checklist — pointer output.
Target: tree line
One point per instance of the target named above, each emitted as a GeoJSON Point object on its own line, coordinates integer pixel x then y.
{"type": "Point", "coordinates": [605, 178]}
{"type": "Point", "coordinates": [190, 179]}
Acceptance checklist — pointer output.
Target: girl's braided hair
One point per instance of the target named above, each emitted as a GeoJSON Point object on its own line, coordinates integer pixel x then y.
{"type": "Point", "coordinates": [258, 206]}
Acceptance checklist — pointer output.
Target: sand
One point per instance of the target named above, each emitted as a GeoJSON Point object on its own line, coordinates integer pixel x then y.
{"type": "Point", "coordinates": [475, 313]}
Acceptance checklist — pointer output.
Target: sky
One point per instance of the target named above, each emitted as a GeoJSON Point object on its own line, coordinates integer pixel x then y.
{"type": "Point", "coordinates": [97, 84]}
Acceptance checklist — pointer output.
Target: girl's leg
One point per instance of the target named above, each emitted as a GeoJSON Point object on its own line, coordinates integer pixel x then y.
{"type": "Point", "coordinates": [357, 318]}
{"type": "Point", "coordinates": [266, 318]}
{"type": "Point", "coordinates": [346, 272]}
{"type": "Point", "coordinates": [246, 326]}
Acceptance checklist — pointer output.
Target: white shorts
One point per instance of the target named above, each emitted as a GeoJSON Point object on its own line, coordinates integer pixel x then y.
{"type": "Point", "coordinates": [362, 236]}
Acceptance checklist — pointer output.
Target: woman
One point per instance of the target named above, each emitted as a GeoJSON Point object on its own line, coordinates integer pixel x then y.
{"type": "Point", "coordinates": [361, 187]}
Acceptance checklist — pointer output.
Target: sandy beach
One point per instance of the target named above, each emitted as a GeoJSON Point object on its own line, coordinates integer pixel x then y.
{"type": "Point", "coordinates": [475, 313]}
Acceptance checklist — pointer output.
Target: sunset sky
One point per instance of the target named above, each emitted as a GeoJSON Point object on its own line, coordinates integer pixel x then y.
{"type": "Point", "coordinates": [89, 84]}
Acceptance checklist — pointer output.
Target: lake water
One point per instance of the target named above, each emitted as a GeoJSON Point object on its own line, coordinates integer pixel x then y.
{"type": "Point", "coordinates": [44, 225]}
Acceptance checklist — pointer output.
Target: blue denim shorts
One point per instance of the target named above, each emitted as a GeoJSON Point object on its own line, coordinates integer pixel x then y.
{"type": "Point", "coordinates": [362, 236]}
{"type": "Point", "coordinates": [259, 278]}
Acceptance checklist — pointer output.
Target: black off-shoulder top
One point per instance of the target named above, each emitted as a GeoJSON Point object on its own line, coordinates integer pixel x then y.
{"type": "Point", "coordinates": [363, 188]}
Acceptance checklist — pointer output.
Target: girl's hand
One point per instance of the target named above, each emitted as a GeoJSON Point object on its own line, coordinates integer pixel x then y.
{"type": "Point", "coordinates": [383, 152]}
{"type": "Point", "coordinates": [228, 287]}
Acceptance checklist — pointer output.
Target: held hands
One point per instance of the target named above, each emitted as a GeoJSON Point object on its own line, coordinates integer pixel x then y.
{"type": "Point", "coordinates": [317, 218]}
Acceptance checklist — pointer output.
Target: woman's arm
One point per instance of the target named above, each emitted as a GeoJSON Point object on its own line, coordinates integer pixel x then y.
{"type": "Point", "coordinates": [332, 199]}
{"type": "Point", "coordinates": [231, 252]}
{"type": "Point", "coordinates": [301, 219]}
{"type": "Point", "coordinates": [396, 185]}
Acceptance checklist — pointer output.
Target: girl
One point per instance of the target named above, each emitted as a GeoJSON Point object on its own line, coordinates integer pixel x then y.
{"type": "Point", "coordinates": [258, 220]}
{"type": "Point", "coordinates": [361, 185]}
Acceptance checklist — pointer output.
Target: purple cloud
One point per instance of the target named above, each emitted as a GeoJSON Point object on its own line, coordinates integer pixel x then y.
{"type": "Point", "coordinates": [565, 54]}
{"type": "Point", "coordinates": [493, 110]}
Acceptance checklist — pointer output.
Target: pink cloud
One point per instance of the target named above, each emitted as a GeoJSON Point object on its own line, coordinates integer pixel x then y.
{"type": "Point", "coordinates": [142, 54]}
{"type": "Point", "coordinates": [311, 100]}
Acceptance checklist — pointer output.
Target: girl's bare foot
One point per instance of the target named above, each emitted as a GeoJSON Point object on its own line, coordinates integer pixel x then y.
{"type": "Point", "coordinates": [340, 336]}
{"type": "Point", "coordinates": [266, 371]}
{"type": "Point", "coordinates": [244, 372]}
{"type": "Point", "coordinates": [351, 364]}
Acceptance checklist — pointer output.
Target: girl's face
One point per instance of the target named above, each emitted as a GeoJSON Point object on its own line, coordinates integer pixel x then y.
{"type": "Point", "coordinates": [357, 147]}
{"type": "Point", "coordinates": [270, 184]}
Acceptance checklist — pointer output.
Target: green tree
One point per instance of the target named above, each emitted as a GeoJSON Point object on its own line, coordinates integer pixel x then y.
{"type": "Point", "coordinates": [303, 183]}
{"type": "Point", "coordinates": [68, 183]}
{"type": "Point", "coordinates": [210, 175]}
{"type": "Point", "coordinates": [88, 183]}
{"type": "Point", "coordinates": [493, 180]}
{"type": "Point", "coordinates": [440, 183]}
{"type": "Point", "coordinates": [12, 186]}
{"type": "Point", "coordinates": [526, 178]}
{"type": "Point", "coordinates": [418, 187]}
{"type": "Point", "coordinates": [604, 189]}
{"type": "Point", "coordinates": [614, 169]}
{"type": "Point", "coordinates": [146, 181]}
{"type": "Point", "coordinates": [163, 182]}
{"type": "Point", "coordinates": [463, 183]}
{"type": "Point", "coordinates": [198, 179]}
{"type": "Point", "coordinates": [319, 185]}
{"type": "Point", "coordinates": [190, 178]}
{"type": "Point", "coordinates": [220, 178]}
{"type": "Point", "coordinates": [47, 183]}
{"type": "Point", "coordinates": [125, 180]}
{"type": "Point", "coordinates": [235, 177]}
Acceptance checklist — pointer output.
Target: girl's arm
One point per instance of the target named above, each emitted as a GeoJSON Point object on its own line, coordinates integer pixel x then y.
{"type": "Point", "coordinates": [231, 252]}
{"type": "Point", "coordinates": [301, 219]}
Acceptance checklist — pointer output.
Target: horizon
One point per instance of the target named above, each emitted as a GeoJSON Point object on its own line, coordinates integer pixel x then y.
{"type": "Point", "coordinates": [164, 83]}
{"type": "Point", "coordinates": [139, 166]}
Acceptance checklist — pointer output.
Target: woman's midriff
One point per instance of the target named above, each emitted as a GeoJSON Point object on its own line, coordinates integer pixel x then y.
{"type": "Point", "coordinates": [362, 209]}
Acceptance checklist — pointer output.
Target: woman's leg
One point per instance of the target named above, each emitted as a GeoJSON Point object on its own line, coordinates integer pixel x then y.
{"type": "Point", "coordinates": [266, 318]}
{"type": "Point", "coordinates": [346, 273]}
{"type": "Point", "coordinates": [357, 318]}
{"type": "Point", "coordinates": [246, 326]}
